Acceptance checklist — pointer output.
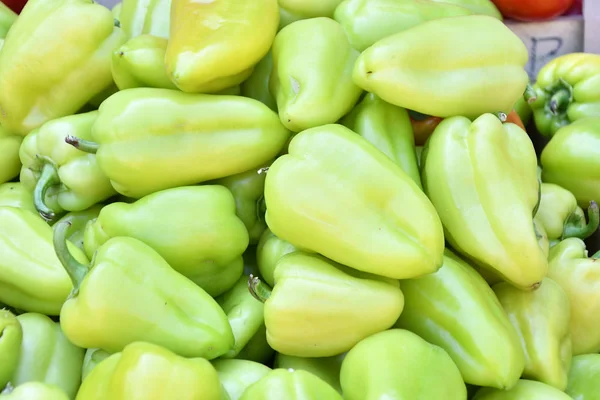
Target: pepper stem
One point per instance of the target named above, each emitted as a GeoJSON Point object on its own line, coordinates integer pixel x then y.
{"type": "Point", "coordinates": [530, 96]}
{"type": "Point", "coordinates": [501, 116]}
{"type": "Point", "coordinates": [263, 170]}
{"type": "Point", "coordinates": [576, 226]}
{"type": "Point", "coordinates": [74, 268]}
{"type": "Point", "coordinates": [48, 178]}
{"type": "Point", "coordinates": [82, 144]}
{"type": "Point", "coordinates": [560, 101]}
{"type": "Point", "coordinates": [260, 291]}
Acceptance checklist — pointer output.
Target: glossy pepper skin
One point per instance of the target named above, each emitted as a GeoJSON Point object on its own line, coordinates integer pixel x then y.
{"type": "Point", "coordinates": [237, 375]}
{"type": "Point", "coordinates": [139, 372]}
{"type": "Point", "coordinates": [304, 9]}
{"type": "Point", "coordinates": [139, 133]}
{"type": "Point", "coordinates": [481, 7]}
{"type": "Point", "coordinates": [11, 335]}
{"type": "Point", "coordinates": [312, 74]}
{"type": "Point", "coordinates": [140, 63]}
{"type": "Point", "coordinates": [215, 45]}
{"type": "Point", "coordinates": [140, 17]}
{"type": "Point", "coordinates": [354, 188]}
{"type": "Point", "coordinates": [584, 377]}
{"type": "Point", "coordinates": [14, 194]}
{"type": "Point", "coordinates": [61, 177]}
{"type": "Point", "coordinates": [290, 384]}
{"type": "Point", "coordinates": [566, 91]}
{"type": "Point", "coordinates": [524, 389]}
{"type": "Point", "coordinates": [542, 319]}
{"type": "Point", "coordinates": [327, 368]}
{"type": "Point", "coordinates": [78, 37]}
{"type": "Point", "coordinates": [458, 75]}
{"type": "Point", "coordinates": [579, 276]}
{"type": "Point", "coordinates": [31, 277]}
{"type": "Point", "coordinates": [35, 391]}
{"type": "Point", "coordinates": [561, 217]}
{"type": "Point", "coordinates": [330, 295]}
{"type": "Point", "coordinates": [257, 85]}
{"type": "Point", "coordinates": [485, 197]}
{"type": "Point", "coordinates": [368, 21]}
{"type": "Point", "coordinates": [572, 158]}
{"type": "Point", "coordinates": [248, 189]}
{"type": "Point", "coordinates": [194, 228]}
{"type": "Point", "coordinates": [47, 355]}
{"type": "Point", "coordinates": [92, 358]}
{"type": "Point", "coordinates": [7, 19]}
{"type": "Point", "coordinates": [150, 294]}
{"type": "Point", "coordinates": [455, 309]}
{"type": "Point", "coordinates": [388, 128]}
{"type": "Point", "coordinates": [269, 251]}
{"type": "Point", "coordinates": [405, 365]}
{"type": "Point", "coordinates": [10, 164]}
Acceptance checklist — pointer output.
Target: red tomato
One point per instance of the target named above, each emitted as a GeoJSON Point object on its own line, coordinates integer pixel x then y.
{"type": "Point", "coordinates": [533, 10]}
{"type": "Point", "coordinates": [15, 5]}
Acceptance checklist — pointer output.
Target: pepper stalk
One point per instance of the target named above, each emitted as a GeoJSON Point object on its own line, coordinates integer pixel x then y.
{"type": "Point", "coordinates": [76, 270]}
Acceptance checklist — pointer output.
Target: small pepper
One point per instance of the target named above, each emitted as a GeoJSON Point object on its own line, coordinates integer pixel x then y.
{"type": "Point", "coordinates": [237, 375]}
{"type": "Point", "coordinates": [11, 335]}
{"type": "Point", "coordinates": [269, 251]}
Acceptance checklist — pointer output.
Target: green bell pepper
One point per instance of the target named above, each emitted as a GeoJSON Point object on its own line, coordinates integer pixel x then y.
{"type": "Point", "coordinates": [31, 277]}
{"type": "Point", "coordinates": [524, 389]}
{"type": "Point", "coordinates": [10, 165]}
{"type": "Point", "coordinates": [290, 384]}
{"type": "Point", "coordinates": [486, 197]}
{"type": "Point", "coordinates": [143, 152]}
{"type": "Point", "coordinates": [129, 281]}
{"type": "Point", "coordinates": [47, 355]}
{"type": "Point", "coordinates": [248, 189]}
{"type": "Point", "coordinates": [584, 377]}
{"type": "Point", "coordinates": [269, 251]}
{"type": "Point", "coordinates": [368, 21]}
{"type": "Point", "coordinates": [14, 194]}
{"type": "Point", "coordinates": [328, 368]}
{"type": "Point", "coordinates": [388, 128]}
{"type": "Point", "coordinates": [145, 371]}
{"type": "Point", "coordinates": [455, 309]}
{"type": "Point", "coordinates": [92, 358]}
{"type": "Point", "coordinates": [566, 90]}
{"type": "Point", "coordinates": [140, 63]}
{"type": "Point", "coordinates": [305, 9]}
{"type": "Point", "coordinates": [61, 177]}
{"type": "Point", "coordinates": [56, 57]}
{"type": "Point", "coordinates": [446, 77]}
{"type": "Point", "coordinates": [140, 17]}
{"type": "Point", "coordinates": [79, 220]}
{"type": "Point", "coordinates": [34, 391]}
{"type": "Point", "coordinates": [541, 318]}
{"type": "Point", "coordinates": [561, 217]}
{"type": "Point", "coordinates": [312, 74]}
{"type": "Point", "coordinates": [11, 335]}
{"type": "Point", "coordinates": [399, 363]}
{"type": "Point", "coordinates": [194, 228]}
{"type": "Point", "coordinates": [237, 375]}
{"type": "Point", "coordinates": [308, 310]}
{"type": "Point", "coordinates": [480, 7]}
{"type": "Point", "coordinates": [579, 276]}
{"type": "Point", "coordinates": [7, 19]}
{"type": "Point", "coordinates": [257, 85]}
{"type": "Point", "coordinates": [572, 158]}
{"type": "Point", "coordinates": [358, 196]}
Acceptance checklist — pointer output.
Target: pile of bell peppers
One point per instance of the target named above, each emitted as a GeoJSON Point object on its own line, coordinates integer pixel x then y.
{"type": "Point", "coordinates": [310, 200]}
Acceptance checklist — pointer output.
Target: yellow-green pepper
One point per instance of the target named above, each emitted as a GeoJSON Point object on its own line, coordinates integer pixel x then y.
{"type": "Point", "coordinates": [524, 389]}
{"type": "Point", "coordinates": [116, 10]}
{"type": "Point", "coordinates": [237, 375]}
{"type": "Point", "coordinates": [305, 9]}
{"type": "Point", "coordinates": [139, 372]}
{"type": "Point", "coordinates": [312, 74]}
{"type": "Point", "coordinates": [388, 128]}
{"type": "Point", "coordinates": [11, 335]}
{"type": "Point", "coordinates": [290, 384]}
{"type": "Point", "coordinates": [368, 21]}
{"type": "Point", "coordinates": [337, 195]}
{"type": "Point", "coordinates": [327, 368]}
{"type": "Point", "coordinates": [34, 391]}
{"type": "Point", "coordinates": [61, 177]}
{"type": "Point", "coordinates": [31, 277]}
{"type": "Point", "coordinates": [269, 251]}
{"type": "Point", "coordinates": [10, 164]}
{"type": "Point", "coordinates": [584, 377]}
{"type": "Point", "coordinates": [215, 44]}
{"type": "Point", "coordinates": [579, 276]}
{"type": "Point", "coordinates": [149, 139]}
{"type": "Point", "coordinates": [481, 177]}
{"type": "Point", "coordinates": [7, 19]}
{"type": "Point", "coordinates": [308, 310]}
{"type": "Point", "coordinates": [257, 85]}
{"type": "Point", "coordinates": [482, 7]}
{"type": "Point", "coordinates": [129, 281]}
{"type": "Point", "coordinates": [454, 308]}
{"type": "Point", "coordinates": [56, 57]}
{"type": "Point", "coordinates": [78, 221]}
{"type": "Point", "coordinates": [194, 228]}
{"type": "Point", "coordinates": [15, 194]}
{"type": "Point", "coordinates": [448, 76]}
{"type": "Point", "coordinates": [399, 363]}
{"type": "Point", "coordinates": [92, 358]}
{"type": "Point", "coordinates": [140, 17]}
{"type": "Point", "coordinates": [542, 319]}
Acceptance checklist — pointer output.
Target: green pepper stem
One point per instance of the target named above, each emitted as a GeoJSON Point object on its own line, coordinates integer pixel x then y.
{"type": "Point", "coordinates": [117, 23]}
{"type": "Point", "coordinates": [83, 145]}
{"type": "Point", "coordinates": [263, 170]}
{"type": "Point", "coordinates": [49, 177]}
{"type": "Point", "coordinates": [260, 291]}
{"type": "Point", "coordinates": [501, 116]}
{"type": "Point", "coordinates": [74, 268]}
{"type": "Point", "coordinates": [576, 226]}
{"type": "Point", "coordinates": [560, 101]}
{"type": "Point", "coordinates": [529, 94]}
